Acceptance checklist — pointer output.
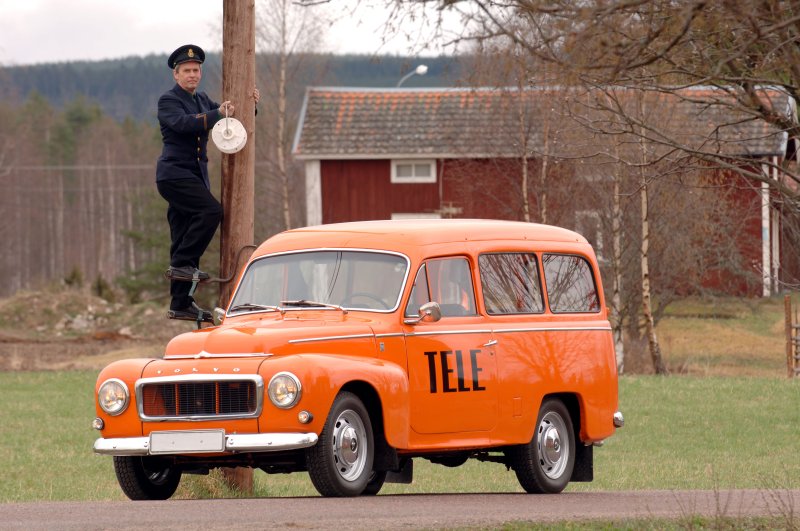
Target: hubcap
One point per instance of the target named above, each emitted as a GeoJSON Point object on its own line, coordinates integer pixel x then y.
{"type": "Point", "coordinates": [553, 453]}
{"type": "Point", "coordinates": [349, 445]}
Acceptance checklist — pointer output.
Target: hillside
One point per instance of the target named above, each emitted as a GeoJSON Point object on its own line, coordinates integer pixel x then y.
{"type": "Point", "coordinates": [130, 87]}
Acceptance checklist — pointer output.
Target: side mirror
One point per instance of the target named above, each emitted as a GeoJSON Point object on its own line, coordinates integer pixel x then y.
{"type": "Point", "coordinates": [430, 312]}
{"type": "Point", "coordinates": [218, 315]}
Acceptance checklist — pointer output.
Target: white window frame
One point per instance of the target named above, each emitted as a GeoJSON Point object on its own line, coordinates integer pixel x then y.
{"type": "Point", "coordinates": [414, 178]}
{"type": "Point", "coordinates": [416, 215]}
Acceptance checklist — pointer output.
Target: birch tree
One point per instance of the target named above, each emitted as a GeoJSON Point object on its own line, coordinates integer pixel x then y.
{"type": "Point", "coordinates": [286, 31]}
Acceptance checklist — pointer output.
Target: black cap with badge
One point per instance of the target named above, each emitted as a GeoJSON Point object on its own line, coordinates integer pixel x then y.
{"type": "Point", "coordinates": [186, 53]}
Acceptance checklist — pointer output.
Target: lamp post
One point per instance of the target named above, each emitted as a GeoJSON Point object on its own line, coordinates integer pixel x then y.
{"type": "Point", "coordinates": [421, 70]}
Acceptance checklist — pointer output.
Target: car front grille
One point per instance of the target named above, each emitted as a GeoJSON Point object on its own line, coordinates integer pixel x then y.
{"type": "Point", "coordinates": [199, 397]}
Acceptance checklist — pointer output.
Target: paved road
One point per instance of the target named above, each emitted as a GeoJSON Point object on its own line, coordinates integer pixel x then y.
{"type": "Point", "coordinates": [394, 512]}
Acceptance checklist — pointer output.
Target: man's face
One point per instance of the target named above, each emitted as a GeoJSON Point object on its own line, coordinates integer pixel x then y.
{"type": "Point", "coordinates": [188, 75]}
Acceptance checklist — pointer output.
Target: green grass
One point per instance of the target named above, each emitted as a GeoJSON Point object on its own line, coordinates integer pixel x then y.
{"type": "Point", "coordinates": [723, 337]}
{"type": "Point", "coordinates": [680, 433]}
{"type": "Point", "coordinates": [717, 523]}
{"type": "Point", "coordinates": [46, 439]}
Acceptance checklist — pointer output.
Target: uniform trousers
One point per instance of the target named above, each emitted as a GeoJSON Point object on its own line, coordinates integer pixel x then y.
{"type": "Point", "coordinates": [193, 215]}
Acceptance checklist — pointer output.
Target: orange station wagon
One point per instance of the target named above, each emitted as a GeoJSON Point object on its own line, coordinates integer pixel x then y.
{"type": "Point", "coordinates": [348, 350]}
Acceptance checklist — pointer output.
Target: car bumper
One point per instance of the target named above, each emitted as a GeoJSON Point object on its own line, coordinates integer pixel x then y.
{"type": "Point", "coordinates": [233, 443]}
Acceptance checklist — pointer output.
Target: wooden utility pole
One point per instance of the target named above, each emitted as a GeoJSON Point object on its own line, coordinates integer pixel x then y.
{"type": "Point", "coordinates": [238, 169]}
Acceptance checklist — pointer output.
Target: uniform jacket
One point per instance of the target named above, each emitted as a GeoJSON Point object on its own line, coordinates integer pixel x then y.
{"type": "Point", "coordinates": [185, 123]}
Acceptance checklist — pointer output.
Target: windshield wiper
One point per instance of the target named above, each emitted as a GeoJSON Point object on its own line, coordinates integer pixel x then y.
{"type": "Point", "coordinates": [252, 306]}
{"type": "Point", "coordinates": [313, 304]}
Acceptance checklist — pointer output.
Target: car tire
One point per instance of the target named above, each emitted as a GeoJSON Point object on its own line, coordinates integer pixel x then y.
{"type": "Point", "coordinates": [375, 483]}
{"type": "Point", "coordinates": [146, 478]}
{"type": "Point", "coordinates": [340, 464]}
{"type": "Point", "coordinates": [544, 465]}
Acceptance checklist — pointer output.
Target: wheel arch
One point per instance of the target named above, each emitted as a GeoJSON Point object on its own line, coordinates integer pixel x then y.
{"type": "Point", "coordinates": [573, 404]}
{"type": "Point", "coordinates": [584, 455]}
{"type": "Point", "coordinates": [385, 455]}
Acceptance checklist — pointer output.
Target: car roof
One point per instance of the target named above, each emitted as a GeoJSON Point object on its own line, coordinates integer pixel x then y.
{"type": "Point", "coordinates": [394, 234]}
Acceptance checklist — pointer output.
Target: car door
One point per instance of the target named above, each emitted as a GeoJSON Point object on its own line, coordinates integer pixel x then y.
{"type": "Point", "coordinates": [451, 362]}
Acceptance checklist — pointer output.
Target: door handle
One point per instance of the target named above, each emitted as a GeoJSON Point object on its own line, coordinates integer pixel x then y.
{"type": "Point", "coordinates": [491, 343]}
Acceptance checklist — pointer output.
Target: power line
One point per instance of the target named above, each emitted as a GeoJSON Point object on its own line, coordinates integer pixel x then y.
{"type": "Point", "coordinates": [92, 167]}
{"type": "Point", "coordinates": [95, 167]}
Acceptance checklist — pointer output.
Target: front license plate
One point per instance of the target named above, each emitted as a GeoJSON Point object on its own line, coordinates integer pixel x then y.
{"type": "Point", "coordinates": [186, 442]}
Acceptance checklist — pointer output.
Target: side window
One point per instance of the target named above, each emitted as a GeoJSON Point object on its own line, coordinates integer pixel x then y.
{"type": "Point", "coordinates": [419, 293]}
{"type": "Point", "coordinates": [510, 283]}
{"type": "Point", "coordinates": [446, 281]}
{"type": "Point", "coordinates": [570, 284]}
{"type": "Point", "coordinates": [451, 286]}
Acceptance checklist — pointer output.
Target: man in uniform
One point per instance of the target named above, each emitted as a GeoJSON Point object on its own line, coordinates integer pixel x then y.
{"type": "Point", "coordinates": [186, 115]}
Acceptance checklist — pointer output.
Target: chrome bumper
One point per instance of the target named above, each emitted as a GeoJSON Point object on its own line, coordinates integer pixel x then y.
{"type": "Point", "coordinates": [234, 443]}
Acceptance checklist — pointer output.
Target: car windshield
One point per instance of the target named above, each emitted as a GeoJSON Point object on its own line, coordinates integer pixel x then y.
{"type": "Point", "coordinates": [357, 280]}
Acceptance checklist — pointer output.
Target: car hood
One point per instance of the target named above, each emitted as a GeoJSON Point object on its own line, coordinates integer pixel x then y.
{"type": "Point", "coordinates": [273, 335]}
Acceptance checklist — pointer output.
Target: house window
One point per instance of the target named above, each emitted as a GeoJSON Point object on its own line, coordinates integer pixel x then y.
{"type": "Point", "coordinates": [416, 215]}
{"type": "Point", "coordinates": [414, 171]}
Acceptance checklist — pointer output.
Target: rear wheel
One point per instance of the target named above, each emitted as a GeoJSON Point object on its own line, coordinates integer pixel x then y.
{"type": "Point", "coordinates": [146, 478]}
{"type": "Point", "coordinates": [340, 464]}
{"type": "Point", "coordinates": [544, 465]}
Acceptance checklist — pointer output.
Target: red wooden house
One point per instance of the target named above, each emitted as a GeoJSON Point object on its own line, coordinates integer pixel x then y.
{"type": "Point", "coordinates": [395, 153]}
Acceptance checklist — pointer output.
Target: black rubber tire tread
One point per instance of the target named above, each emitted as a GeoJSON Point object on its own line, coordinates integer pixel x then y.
{"type": "Point", "coordinates": [524, 459]}
{"type": "Point", "coordinates": [133, 479]}
{"type": "Point", "coordinates": [320, 459]}
{"type": "Point", "coordinates": [375, 483]}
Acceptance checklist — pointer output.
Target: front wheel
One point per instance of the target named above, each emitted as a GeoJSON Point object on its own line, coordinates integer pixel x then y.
{"type": "Point", "coordinates": [375, 483]}
{"type": "Point", "coordinates": [544, 465]}
{"type": "Point", "coordinates": [340, 464]}
{"type": "Point", "coordinates": [146, 478]}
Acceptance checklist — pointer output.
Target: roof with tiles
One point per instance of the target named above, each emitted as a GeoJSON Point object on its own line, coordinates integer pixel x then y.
{"type": "Point", "coordinates": [352, 123]}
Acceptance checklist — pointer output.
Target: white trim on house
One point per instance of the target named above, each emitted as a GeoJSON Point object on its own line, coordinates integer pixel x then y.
{"type": "Point", "coordinates": [313, 193]}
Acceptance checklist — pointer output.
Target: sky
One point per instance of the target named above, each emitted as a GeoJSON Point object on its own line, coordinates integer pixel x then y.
{"type": "Point", "coordinates": [43, 31]}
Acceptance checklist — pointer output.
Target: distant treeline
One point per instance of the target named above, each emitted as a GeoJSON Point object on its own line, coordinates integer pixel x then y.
{"type": "Point", "coordinates": [130, 87]}
{"type": "Point", "coordinates": [78, 153]}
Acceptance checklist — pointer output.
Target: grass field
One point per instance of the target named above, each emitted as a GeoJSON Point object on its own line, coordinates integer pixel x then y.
{"type": "Point", "coordinates": [722, 337]}
{"type": "Point", "coordinates": [680, 433]}
{"type": "Point", "coordinates": [727, 418]}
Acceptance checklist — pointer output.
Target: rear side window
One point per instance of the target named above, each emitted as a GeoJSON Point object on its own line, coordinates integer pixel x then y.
{"type": "Point", "coordinates": [510, 283]}
{"type": "Point", "coordinates": [570, 284]}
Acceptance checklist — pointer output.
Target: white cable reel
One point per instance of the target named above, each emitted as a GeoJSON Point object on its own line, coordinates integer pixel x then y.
{"type": "Point", "coordinates": [229, 134]}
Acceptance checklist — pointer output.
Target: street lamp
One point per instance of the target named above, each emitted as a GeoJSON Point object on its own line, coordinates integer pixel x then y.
{"type": "Point", "coordinates": [421, 70]}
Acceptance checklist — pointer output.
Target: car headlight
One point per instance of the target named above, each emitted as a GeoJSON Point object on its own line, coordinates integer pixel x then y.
{"type": "Point", "coordinates": [284, 390]}
{"type": "Point", "coordinates": [113, 396]}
